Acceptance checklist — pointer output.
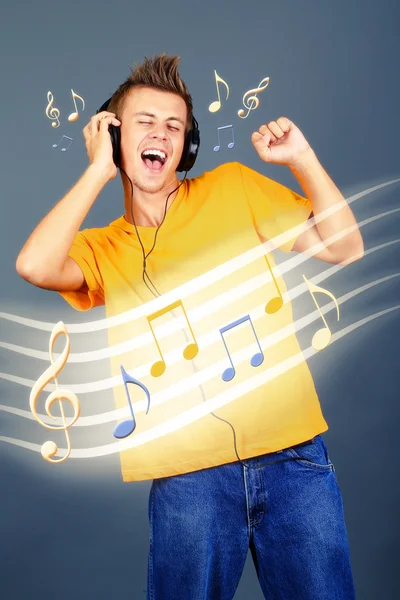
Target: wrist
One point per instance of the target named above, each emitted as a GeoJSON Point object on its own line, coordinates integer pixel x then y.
{"type": "Point", "coordinates": [304, 161]}
{"type": "Point", "coordinates": [100, 172]}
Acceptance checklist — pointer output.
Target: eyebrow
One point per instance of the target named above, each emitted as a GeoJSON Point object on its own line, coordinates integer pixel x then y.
{"type": "Point", "coordinates": [148, 114]}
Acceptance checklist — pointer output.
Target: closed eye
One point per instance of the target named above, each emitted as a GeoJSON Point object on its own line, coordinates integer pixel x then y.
{"type": "Point", "coordinates": [150, 123]}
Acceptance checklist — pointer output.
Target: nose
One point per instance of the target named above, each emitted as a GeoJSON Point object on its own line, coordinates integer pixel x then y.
{"type": "Point", "coordinates": [159, 131]}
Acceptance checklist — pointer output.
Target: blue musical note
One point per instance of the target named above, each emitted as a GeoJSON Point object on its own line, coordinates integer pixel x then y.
{"type": "Point", "coordinates": [67, 138]}
{"type": "Point", "coordinates": [231, 144]}
{"type": "Point", "coordinates": [255, 361]}
{"type": "Point", "coordinates": [125, 428]}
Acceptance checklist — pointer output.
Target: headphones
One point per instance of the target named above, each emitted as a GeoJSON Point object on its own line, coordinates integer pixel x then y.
{"type": "Point", "coordinates": [190, 148]}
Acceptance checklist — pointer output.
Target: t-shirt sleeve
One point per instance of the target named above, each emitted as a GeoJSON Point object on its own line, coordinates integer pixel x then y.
{"type": "Point", "coordinates": [275, 208]}
{"type": "Point", "coordinates": [83, 252]}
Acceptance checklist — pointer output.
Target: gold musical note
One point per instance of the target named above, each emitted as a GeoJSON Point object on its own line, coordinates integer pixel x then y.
{"type": "Point", "coordinates": [254, 98]}
{"type": "Point", "coordinates": [49, 448]}
{"type": "Point", "coordinates": [75, 115]}
{"type": "Point", "coordinates": [52, 113]}
{"type": "Point", "coordinates": [275, 303]}
{"type": "Point", "coordinates": [323, 336]}
{"type": "Point", "coordinates": [215, 106]}
{"type": "Point", "coordinates": [189, 352]}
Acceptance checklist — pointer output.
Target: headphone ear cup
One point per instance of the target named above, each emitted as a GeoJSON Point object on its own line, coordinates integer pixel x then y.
{"type": "Point", "coordinates": [190, 148]}
{"type": "Point", "coordinates": [182, 163]}
{"type": "Point", "coordinates": [115, 134]}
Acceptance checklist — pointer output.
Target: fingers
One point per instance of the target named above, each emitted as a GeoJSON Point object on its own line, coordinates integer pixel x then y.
{"type": "Point", "coordinates": [96, 123]}
{"type": "Point", "coordinates": [276, 129]}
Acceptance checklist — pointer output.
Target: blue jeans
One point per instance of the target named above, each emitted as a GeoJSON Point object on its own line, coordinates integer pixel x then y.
{"type": "Point", "coordinates": [289, 513]}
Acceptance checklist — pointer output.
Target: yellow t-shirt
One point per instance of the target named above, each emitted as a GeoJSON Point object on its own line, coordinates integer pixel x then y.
{"type": "Point", "coordinates": [214, 218]}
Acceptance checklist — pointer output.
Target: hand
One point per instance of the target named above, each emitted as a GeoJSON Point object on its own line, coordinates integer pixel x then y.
{"type": "Point", "coordinates": [280, 142]}
{"type": "Point", "coordinates": [98, 142]}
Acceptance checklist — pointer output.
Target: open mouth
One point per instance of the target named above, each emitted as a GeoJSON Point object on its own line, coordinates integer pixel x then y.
{"type": "Point", "coordinates": [154, 159]}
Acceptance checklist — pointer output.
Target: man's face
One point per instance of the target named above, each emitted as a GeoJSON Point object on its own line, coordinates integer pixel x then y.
{"type": "Point", "coordinates": [152, 119]}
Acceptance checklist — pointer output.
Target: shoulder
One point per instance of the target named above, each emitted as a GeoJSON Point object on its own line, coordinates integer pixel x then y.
{"type": "Point", "coordinates": [95, 236]}
{"type": "Point", "coordinates": [229, 171]}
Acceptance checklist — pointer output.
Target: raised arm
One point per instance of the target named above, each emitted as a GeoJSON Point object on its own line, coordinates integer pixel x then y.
{"type": "Point", "coordinates": [43, 260]}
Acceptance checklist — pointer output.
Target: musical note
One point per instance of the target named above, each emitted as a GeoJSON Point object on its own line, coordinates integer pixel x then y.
{"type": "Point", "coordinates": [75, 115]}
{"type": "Point", "coordinates": [231, 144]}
{"type": "Point", "coordinates": [323, 336]}
{"type": "Point", "coordinates": [52, 113]}
{"type": "Point", "coordinates": [253, 99]}
{"type": "Point", "coordinates": [49, 448]}
{"type": "Point", "coordinates": [256, 359]}
{"type": "Point", "coordinates": [189, 352]}
{"type": "Point", "coordinates": [215, 106]}
{"type": "Point", "coordinates": [275, 303]}
{"type": "Point", "coordinates": [67, 138]}
{"type": "Point", "coordinates": [122, 430]}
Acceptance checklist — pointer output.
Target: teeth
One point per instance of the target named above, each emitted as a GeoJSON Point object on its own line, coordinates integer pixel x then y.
{"type": "Point", "coordinates": [158, 152]}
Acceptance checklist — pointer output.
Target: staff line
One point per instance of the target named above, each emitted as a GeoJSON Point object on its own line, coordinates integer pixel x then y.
{"type": "Point", "coordinates": [206, 309]}
{"type": "Point", "coordinates": [203, 409]}
{"type": "Point", "coordinates": [207, 373]}
{"type": "Point", "coordinates": [202, 281]}
{"type": "Point", "coordinates": [143, 371]}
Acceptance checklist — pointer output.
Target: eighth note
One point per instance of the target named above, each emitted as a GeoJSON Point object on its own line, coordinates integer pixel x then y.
{"type": "Point", "coordinates": [122, 430]}
{"type": "Point", "coordinates": [231, 144]}
{"type": "Point", "coordinates": [255, 361]}
{"type": "Point", "coordinates": [67, 138]}
{"type": "Point", "coordinates": [75, 115]}
{"type": "Point", "coordinates": [215, 106]}
{"type": "Point", "coordinates": [323, 336]}
{"type": "Point", "coordinates": [189, 352]}
{"type": "Point", "coordinates": [275, 303]}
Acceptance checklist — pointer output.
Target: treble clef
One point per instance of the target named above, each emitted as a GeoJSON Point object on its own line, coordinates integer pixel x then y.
{"type": "Point", "coordinates": [254, 100]}
{"type": "Point", "coordinates": [52, 113]}
{"type": "Point", "coordinates": [49, 448]}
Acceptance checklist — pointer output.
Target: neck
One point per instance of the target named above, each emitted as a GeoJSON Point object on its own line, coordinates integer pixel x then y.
{"type": "Point", "coordinates": [148, 208]}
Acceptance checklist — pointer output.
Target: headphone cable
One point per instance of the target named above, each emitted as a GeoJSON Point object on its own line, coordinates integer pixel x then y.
{"type": "Point", "coordinates": [194, 367]}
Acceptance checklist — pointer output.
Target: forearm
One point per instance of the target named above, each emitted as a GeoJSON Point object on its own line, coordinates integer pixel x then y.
{"type": "Point", "coordinates": [323, 194]}
{"type": "Point", "coordinates": [46, 250]}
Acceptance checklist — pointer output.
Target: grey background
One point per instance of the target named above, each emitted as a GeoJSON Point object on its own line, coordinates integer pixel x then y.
{"type": "Point", "coordinates": [75, 530]}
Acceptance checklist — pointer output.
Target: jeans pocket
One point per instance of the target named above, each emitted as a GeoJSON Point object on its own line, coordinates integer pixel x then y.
{"type": "Point", "coordinates": [312, 454]}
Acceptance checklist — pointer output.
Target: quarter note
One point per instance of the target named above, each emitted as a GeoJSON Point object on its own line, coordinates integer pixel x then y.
{"type": "Point", "coordinates": [256, 359]}
{"type": "Point", "coordinates": [49, 448]}
{"type": "Point", "coordinates": [67, 138]}
{"type": "Point", "coordinates": [189, 352]}
{"type": "Point", "coordinates": [122, 430]}
{"type": "Point", "coordinates": [275, 303]}
{"type": "Point", "coordinates": [254, 100]}
{"type": "Point", "coordinates": [215, 106]}
{"type": "Point", "coordinates": [231, 144]}
{"type": "Point", "coordinates": [323, 336]}
{"type": "Point", "coordinates": [52, 112]}
{"type": "Point", "coordinates": [75, 115]}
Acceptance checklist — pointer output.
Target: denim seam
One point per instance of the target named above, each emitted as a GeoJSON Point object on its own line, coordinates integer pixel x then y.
{"type": "Point", "coordinates": [328, 467]}
{"type": "Point", "coordinates": [260, 516]}
{"type": "Point", "coordinates": [247, 501]}
{"type": "Point", "coordinates": [151, 585]}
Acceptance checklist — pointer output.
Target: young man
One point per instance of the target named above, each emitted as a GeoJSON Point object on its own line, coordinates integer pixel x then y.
{"type": "Point", "coordinates": [206, 507]}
